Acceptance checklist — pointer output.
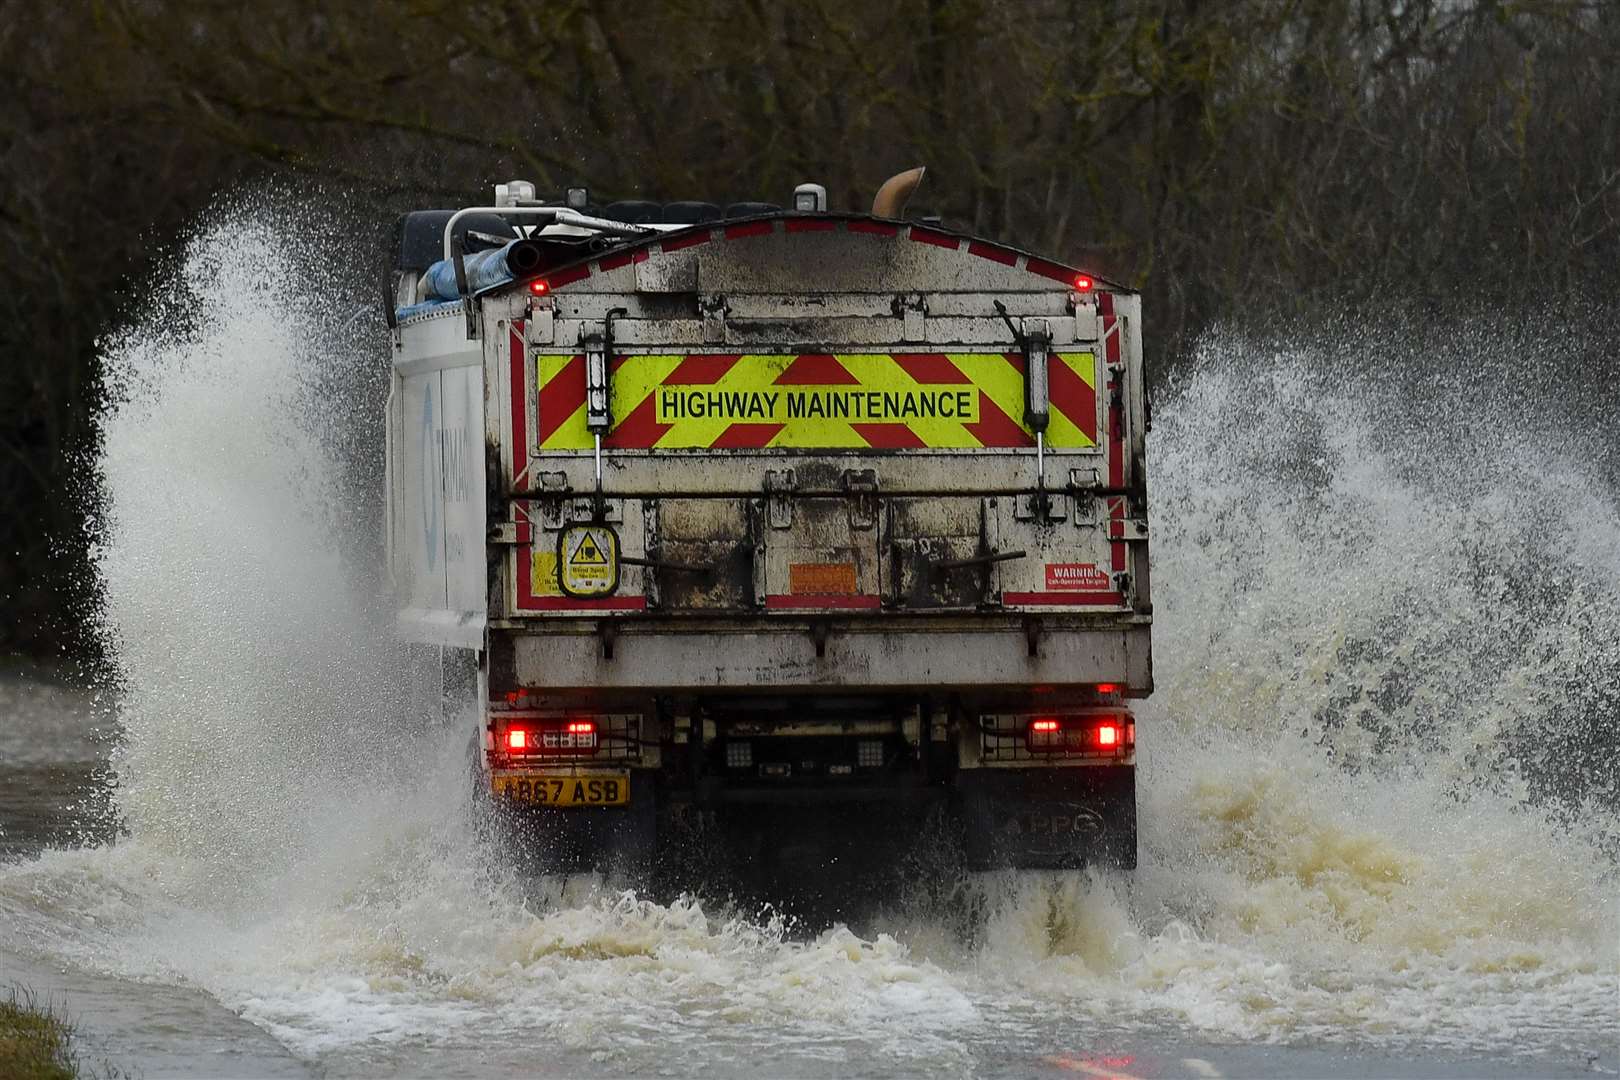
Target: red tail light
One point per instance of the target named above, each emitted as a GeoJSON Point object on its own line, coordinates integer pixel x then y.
{"type": "Point", "coordinates": [552, 738]}
{"type": "Point", "coordinates": [1098, 734]}
{"type": "Point", "coordinates": [539, 288]}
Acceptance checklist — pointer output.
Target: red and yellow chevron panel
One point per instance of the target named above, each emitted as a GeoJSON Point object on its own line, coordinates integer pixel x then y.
{"type": "Point", "coordinates": [818, 401]}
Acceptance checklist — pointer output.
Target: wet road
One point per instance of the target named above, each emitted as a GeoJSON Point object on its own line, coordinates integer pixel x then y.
{"type": "Point", "coordinates": [53, 749]}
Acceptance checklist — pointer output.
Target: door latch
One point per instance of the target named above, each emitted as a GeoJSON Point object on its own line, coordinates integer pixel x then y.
{"type": "Point", "coordinates": [779, 487]}
{"type": "Point", "coordinates": [860, 487]}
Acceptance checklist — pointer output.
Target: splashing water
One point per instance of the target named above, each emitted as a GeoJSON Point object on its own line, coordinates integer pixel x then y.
{"type": "Point", "coordinates": [1378, 788]}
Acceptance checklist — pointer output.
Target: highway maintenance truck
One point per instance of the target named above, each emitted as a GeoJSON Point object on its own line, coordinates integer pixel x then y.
{"type": "Point", "coordinates": [774, 519]}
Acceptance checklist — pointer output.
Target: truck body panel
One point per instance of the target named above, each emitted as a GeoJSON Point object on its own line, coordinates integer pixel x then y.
{"type": "Point", "coordinates": [789, 508]}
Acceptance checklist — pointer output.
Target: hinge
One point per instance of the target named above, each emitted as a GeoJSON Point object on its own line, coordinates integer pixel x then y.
{"type": "Point", "coordinates": [913, 314]}
{"type": "Point", "coordinates": [713, 309]}
{"type": "Point", "coordinates": [541, 322]}
{"type": "Point", "coordinates": [779, 486]}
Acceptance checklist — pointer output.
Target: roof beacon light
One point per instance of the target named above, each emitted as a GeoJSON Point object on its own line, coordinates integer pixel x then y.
{"type": "Point", "coordinates": [514, 193]}
{"type": "Point", "coordinates": [810, 199]}
{"type": "Point", "coordinates": [539, 287]}
{"type": "Point", "coordinates": [1082, 283]}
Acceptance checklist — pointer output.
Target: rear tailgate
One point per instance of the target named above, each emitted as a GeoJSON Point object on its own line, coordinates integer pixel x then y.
{"type": "Point", "coordinates": [822, 419]}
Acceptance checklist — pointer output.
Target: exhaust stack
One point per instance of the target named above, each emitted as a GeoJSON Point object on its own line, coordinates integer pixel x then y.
{"type": "Point", "coordinates": [891, 198]}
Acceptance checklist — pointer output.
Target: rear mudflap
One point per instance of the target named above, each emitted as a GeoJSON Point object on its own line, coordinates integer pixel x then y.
{"type": "Point", "coordinates": [1048, 818]}
{"type": "Point", "coordinates": [609, 839]}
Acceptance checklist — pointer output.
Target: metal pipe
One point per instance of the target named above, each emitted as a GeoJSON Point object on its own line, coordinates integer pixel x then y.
{"type": "Point", "coordinates": [978, 560]}
{"type": "Point", "coordinates": [559, 215]}
{"type": "Point", "coordinates": [890, 200]}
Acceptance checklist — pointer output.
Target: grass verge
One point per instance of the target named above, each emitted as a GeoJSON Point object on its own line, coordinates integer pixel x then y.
{"type": "Point", "coordinates": [37, 1042]}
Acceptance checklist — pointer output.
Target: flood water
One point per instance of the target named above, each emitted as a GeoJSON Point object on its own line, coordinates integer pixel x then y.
{"type": "Point", "coordinates": [1379, 807]}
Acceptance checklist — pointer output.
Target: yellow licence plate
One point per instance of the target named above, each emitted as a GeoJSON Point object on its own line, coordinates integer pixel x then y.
{"type": "Point", "coordinates": [595, 790]}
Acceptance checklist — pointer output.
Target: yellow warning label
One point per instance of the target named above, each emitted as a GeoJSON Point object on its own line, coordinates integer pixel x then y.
{"type": "Point", "coordinates": [587, 554]}
{"type": "Point", "coordinates": [882, 401]}
{"type": "Point", "coordinates": [590, 560]}
{"type": "Point", "coordinates": [789, 403]}
{"type": "Point", "coordinates": [543, 573]}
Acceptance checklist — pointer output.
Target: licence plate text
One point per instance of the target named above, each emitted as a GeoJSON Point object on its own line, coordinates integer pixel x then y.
{"type": "Point", "coordinates": [565, 790]}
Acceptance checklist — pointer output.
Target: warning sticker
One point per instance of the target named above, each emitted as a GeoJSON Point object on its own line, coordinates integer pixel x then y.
{"type": "Point", "coordinates": [588, 556]}
{"type": "Point", "coordinates": [884, 401]}
{"type": "Point", "coordinates": [1077, 577]}
{"type": "Point", "coordinates": [818, 403]}
{"type": "Point", "coordinates": [543, 573]}
{"type": "Point", "coordinates": [821, 579]}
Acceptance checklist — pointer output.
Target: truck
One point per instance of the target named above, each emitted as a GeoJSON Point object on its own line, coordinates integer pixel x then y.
{"type": "Point", "coordinates": [807, 533]}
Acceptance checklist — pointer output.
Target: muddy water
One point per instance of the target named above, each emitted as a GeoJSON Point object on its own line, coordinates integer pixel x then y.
{"type": "Point", "coordinates": [1379, 808]}
{"type": "Point", "coordinates": [54, 745]}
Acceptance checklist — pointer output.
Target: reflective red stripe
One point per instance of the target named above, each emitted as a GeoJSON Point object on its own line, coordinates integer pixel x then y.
{"type": "Point", "coordinates": [929, 236]}
{"type": "Point", "coordinates": [593, 603]}
{"type": "Point", "coordinates": [889, 436]}
{"type": "Point", "coordinates": [560, 278]}
{"type": "Point", "coordinates": [994, 254]}
{"type": "Point", "coordinates": [1087, 599]}
{"type": "Point", "coordinates": [1116, 512]}
{"type": "Point", "coordinates": [561, 397]}
{"type": "Point", "coordinates": [1049, 270]}
{"type": "Point", "coordinates": [816, 369]}
{"type": "Point", "coordinates": [779, 602]}
{"type": "Point", "coordinates": [701, 369]}
{"type": "Point", "coordinates": [935, 368]}
{"type": "Point", "coordinates": [746, 436]}
{"type": "Point", "coordinates": [1073, 396]}
{"type": "Point", "coordinates": [995, 428]}
{"type": "Point", "coordinates": [640, 429]}
{"type": "Point", "coordinates": [689, 240]}
{"type": "Point", "coordinates": [520, 419]}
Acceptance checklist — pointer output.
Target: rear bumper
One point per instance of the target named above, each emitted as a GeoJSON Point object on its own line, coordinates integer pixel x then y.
{"type": "Point", "coordinates": [1024, 818]}
{"type": "Point", "coordinates": [834, 653]}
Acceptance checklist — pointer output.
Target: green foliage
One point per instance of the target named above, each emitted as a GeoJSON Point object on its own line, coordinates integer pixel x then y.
{"type": "Point", "coordinates": [1233, 159]}
{"type": "Point", "coordinates": [35, 1043]}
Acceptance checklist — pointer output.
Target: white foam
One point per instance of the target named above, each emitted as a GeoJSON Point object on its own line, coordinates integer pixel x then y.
{"type": "Point", "coordinates": [1347, 831]}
